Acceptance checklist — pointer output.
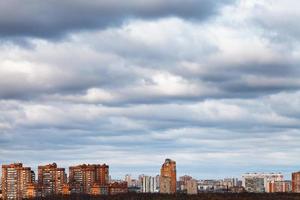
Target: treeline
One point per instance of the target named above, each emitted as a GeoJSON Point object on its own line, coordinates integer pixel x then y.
{"type": "Point", "coordinates": [204, 196]}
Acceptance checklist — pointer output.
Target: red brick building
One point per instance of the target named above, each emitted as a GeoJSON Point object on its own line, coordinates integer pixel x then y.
{"type": "Point", "coordinates": [168, 177]}
{"type": "Point", "coordinates": [51, 179]}
{"type": "Point", "coordinates": [15, 181]}
{"type": "Point", "coordinates": [118, 188]}
{"type": "Point", "coordinates": [296, 182]}
{"type": "Point", "coordinates": [83, 177]}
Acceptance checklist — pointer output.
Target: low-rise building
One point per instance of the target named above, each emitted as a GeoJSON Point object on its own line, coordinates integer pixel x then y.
{"type": "Point", "coordinates": [118, 188]}
{"type": "Point", "coordinates": [192, 186]}
{"type": "Point", "coordinates": [280, 186]}
{"type": "Point", "coordinates": [98, 189]}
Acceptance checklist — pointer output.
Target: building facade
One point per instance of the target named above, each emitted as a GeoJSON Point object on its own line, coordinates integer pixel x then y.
{"type": "Point", "coordinates": [15, 181]}
{"type": "Point", "coordinates": [168, 177]}
{"type": "Point", "coordinates": [51, 179]}
{"type": "Point", "coordinates": [83, 177]}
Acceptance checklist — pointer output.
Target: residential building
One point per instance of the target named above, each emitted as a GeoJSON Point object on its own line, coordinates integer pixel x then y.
{"type": "Point", "coordinates": [128, 179]}
{"type": "Point", "coordinates": [230, 182]}
{"type": "Point", "coordinates": [51, 179]}
{"type": "Point", "coordinates": [118, 188]}
{"type": "Point", "coordinates": [98, 189]}
{"type": "Point", "coordinates": [182, 183]}
{"type": "Point", "coordinates": [259, 182]}
{"type": "Point", "coordinates": [210, 185]}
{"type": "Point", "coordinates": [15, 180]}
{"type": "Point", "coordinates": [192, 186]}
{"type": "Point", "coordinates": [280, 186]}
{"type": "Point", "coordinates": [83, 177]}
{"type": "Point", "coordinates": [168, 177]}
{"type": "Point", "coordinates": [148, 184]}
{"type": "Point", "coordinates": [296, 182]}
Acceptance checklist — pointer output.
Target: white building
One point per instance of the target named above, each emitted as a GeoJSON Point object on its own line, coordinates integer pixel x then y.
{"type": "Point", "coordinates": [149, 184]}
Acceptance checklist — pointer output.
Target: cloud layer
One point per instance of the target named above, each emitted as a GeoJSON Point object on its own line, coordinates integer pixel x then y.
{"type": "Point", "coordinates": [214, 86]}
{"type": "Point", "coordinates": [54, 18]}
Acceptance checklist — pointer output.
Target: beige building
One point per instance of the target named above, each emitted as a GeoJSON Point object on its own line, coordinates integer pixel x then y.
{"type": "Point", "coordinates": [192, 186]}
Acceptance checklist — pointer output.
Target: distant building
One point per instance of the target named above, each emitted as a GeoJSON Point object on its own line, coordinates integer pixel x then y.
{"type": "Point", "coordinates": [211, 186]}
{"type": "Point", "coordinates": [148, 184]}
{"type": "Point", "coordinates": [182, 183]}
{"type": "Point", "coordinates": [280, 186]}
{"type": "Point", "coordinates": [83, 177]}
{"type": "Point", "coordinates": [15, 181]}
{"type": "Point", "coordinates": [140, 182]}
{"type": "Point", "coordinates": [259, 182]}
{"type": "Point", "coordinates": [168, 177]}
{"type": "Point", "coordinates": [98, 189]}
{"type": "Point", "coordinates": [230, 182]}
{"type": "Point", "coordinates": [255, 184]}
{"type": "Point", "coordinates": [128, 180]}
{"type": "Point", "coordinates": [51, 179]}
{"type": "Point", "coordinates": [157, 178]}
{"type": "Point", "coordinates": [118, 188]}
{"type": "Point", "coordinates": [192, 186]}
{"type": "Point", "coordinates": [237, 189]}
{"type": "Point", "coordinates": [296, 182]}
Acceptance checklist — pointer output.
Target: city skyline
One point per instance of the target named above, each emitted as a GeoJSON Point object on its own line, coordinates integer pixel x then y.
{"type": "Point", "coordinates": [135, 175]}
{"type": "Point", "coordinates": [19, 181]}
{"type": "Point", "coordinates": [212, 84]}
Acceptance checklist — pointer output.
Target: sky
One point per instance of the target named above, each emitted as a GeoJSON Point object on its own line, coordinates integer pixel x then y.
{"type": "Point", "coordinates": [213, 85]}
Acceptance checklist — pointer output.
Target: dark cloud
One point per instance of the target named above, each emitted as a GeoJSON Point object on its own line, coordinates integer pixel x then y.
{"type": "Point", "coordinates": [53, 18]}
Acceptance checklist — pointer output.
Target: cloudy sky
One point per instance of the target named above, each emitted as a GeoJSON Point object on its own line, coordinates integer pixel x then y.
{"type": "Point", "coordinates": [212, 84]}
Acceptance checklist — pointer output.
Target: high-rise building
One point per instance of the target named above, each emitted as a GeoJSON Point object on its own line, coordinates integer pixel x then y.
{"type": "Point", "coordinates": [15, 180]}
{"type": "Point", "coordinates": [83, 177]}
{"type": "Point", "coordinates": [51, 179]}
{"type": "Point", "coordinates": [259, 182]}
{"type": "Point", "coordinates": [296, 182]}
{"type": "Point", "coordinates": [168, 177]}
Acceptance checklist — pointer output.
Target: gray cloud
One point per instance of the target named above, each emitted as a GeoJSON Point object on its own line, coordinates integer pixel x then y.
{"type": "Point", "coordinates": [53, 18]}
